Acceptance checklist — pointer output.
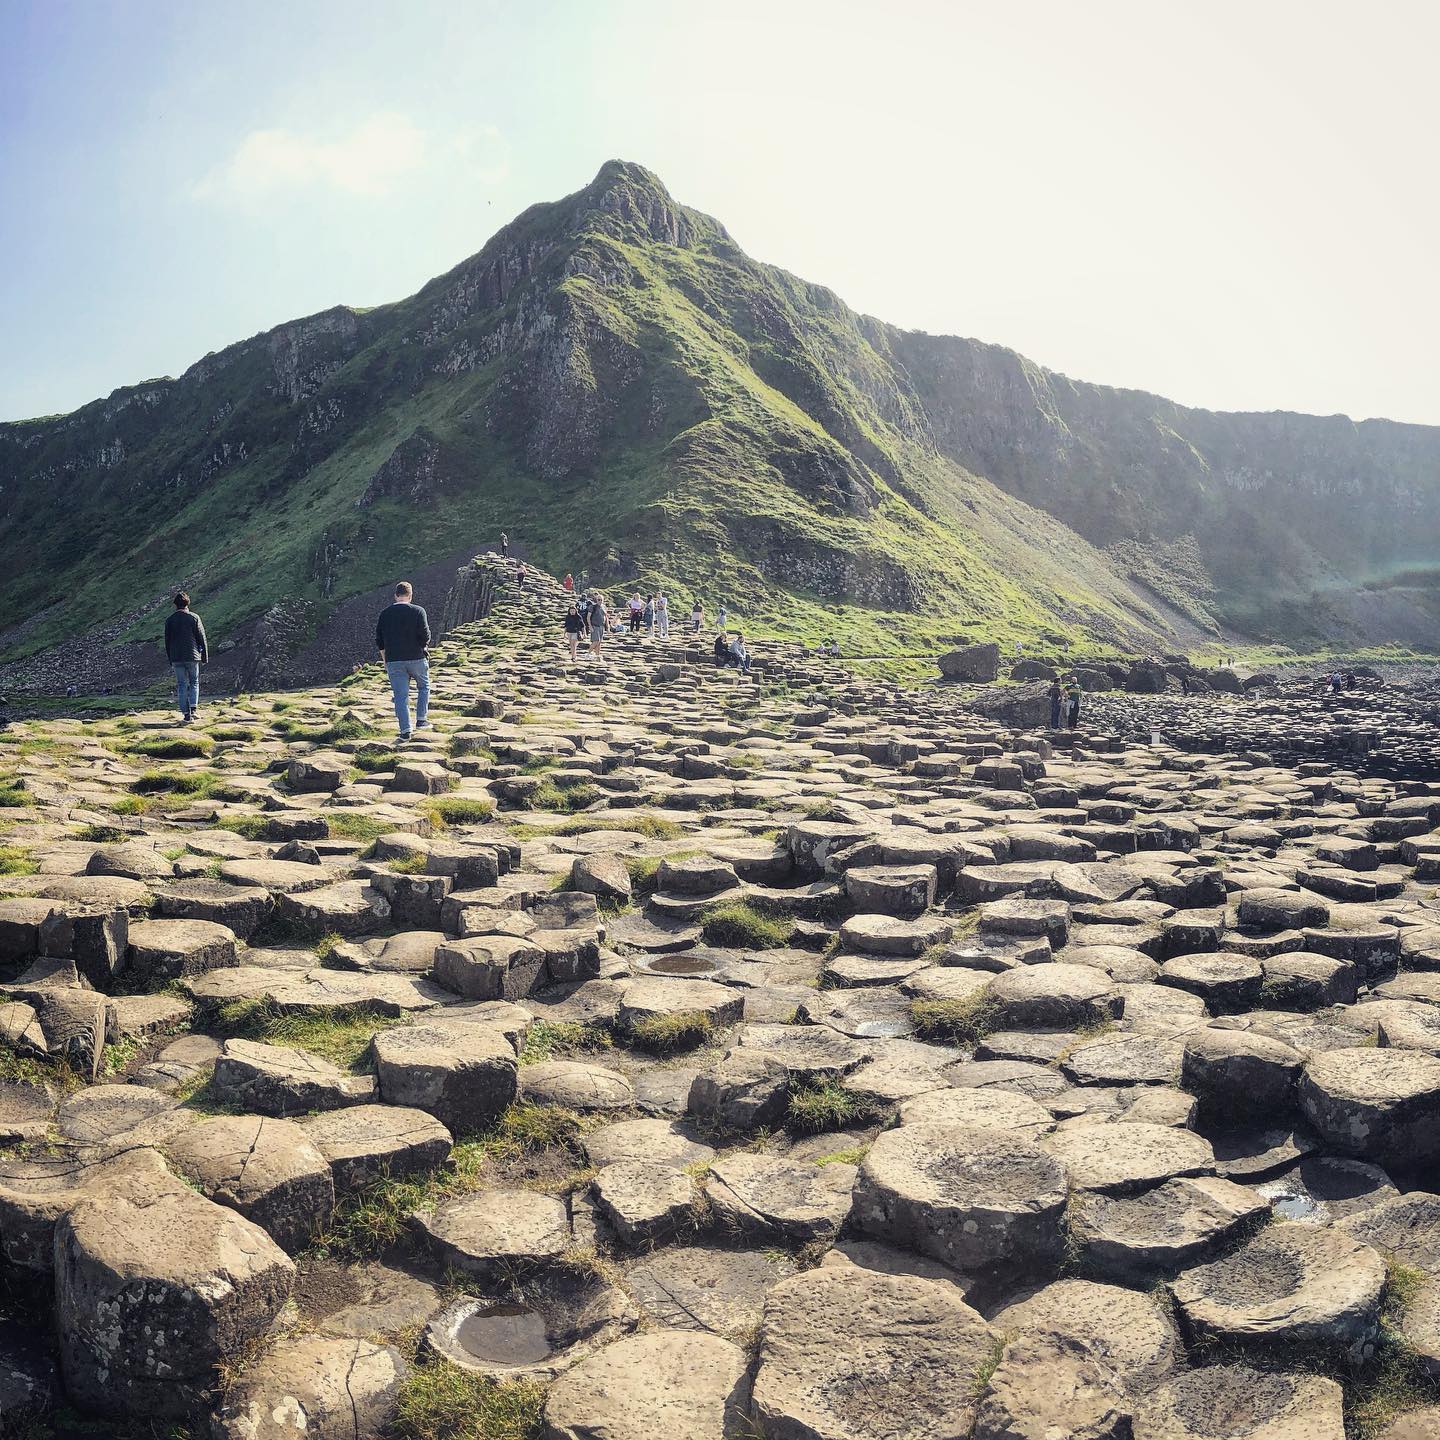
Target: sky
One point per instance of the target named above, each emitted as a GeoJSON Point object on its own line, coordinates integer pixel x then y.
{"type": "Point", "coordinates": [1231, 204]}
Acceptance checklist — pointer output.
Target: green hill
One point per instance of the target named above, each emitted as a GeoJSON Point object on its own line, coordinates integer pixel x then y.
{"type": "Point", "coordinates": [613, 381]}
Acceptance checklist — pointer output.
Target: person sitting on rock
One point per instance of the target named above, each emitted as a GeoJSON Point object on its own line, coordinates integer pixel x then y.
{"type": "Point", "coordinates": [739, 655]}
{"type": "Point", "coordinates": [574, 628]}
{"type": "Point", "coordinates": [185, 649]}
{"type": "Point", "coordinates": [722, 649]}
{"type": "Point", "coordinates": [402, 635]}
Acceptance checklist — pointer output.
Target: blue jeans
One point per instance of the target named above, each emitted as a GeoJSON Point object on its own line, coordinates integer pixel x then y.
{"type": "Point", "coordinates": [401, 673]}
{"type": "Point", "coordinates": [187, 685]}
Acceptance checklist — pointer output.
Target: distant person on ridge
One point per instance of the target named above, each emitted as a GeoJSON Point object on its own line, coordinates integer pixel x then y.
{"type": "Point", "coordinates": [569, 583]}
{"type": "Point", "coordinates": [721, 615]}
{"type": "Point", "coordinates": [402, 636]}
{"type": "Point", "coordinates": [504, 545]}
{"type": "Point", "coordinates": [697, 617]}
{"type": "Point", "coordinates": [185, 648]}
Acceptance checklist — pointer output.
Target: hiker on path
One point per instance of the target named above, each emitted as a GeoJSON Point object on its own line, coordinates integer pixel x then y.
{"type": "Point", "coordinates": [1073, 692]}
{"type": "Point", "coordinates": [402, 636]}
{"type": "Point", "coordinates": [637, 613]}
{"type": "Point", "coordinates": [574, 628]}
{"type": "Point", "coordinates": [721, 614]}
{"type": "Point", "coordinates": [1057, 696]}
{"type": "Point", "coordinates": [662, 614]}
{"type": "Point", "coordinates": [520, 573]}
{"type": "Point", "coordinates": [599, 619]}
{"type": "Point", "coordinates": [697, 617]}
{"type": "Point", "coordinates": [739, 655]}
{"type": "Point", "coordinates": [504, 545]}
{"type": "Point", "coordinates": [569, 583]}
{"type": "Point", "coordinates": [185, 648]}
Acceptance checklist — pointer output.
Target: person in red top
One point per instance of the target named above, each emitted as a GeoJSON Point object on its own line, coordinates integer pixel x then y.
{"type": "Point", "coordinates": [569, 583]}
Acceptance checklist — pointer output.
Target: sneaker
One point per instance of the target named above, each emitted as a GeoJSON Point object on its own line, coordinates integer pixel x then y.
{"type": "Point", "coordinates": [422, 724]}
{"type": "Point", "coordinates": [404, 736]}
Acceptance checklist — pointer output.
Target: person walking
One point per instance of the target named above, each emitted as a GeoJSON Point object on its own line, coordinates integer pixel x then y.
{"type": "Point", "coordinates": [697, 617]}
{"type": "Point", "coordinates": [185, 649]}
{"type": "Point", "coordinates": [402, 636]}
{"type": "Point", "coordinates": [504, 545]}
{"type": "Point", "coordinates": [520, 573]}
{"type": "Point", "coordinates": [569, 583]}
{"type": "Point", "coordinates": [1057, 696]}
{"type": "Point", "coordinates": [662, 614]}
{"type": "Point", "coordinates": [574, 628]}
{"type": "Point", "coordinates": [721, 615]}
{"type": "Point", "coordinates": [599, 619]}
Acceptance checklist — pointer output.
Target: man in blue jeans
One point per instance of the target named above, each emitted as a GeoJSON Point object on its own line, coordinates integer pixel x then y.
{"type": "Point", "coordinates": [402, 635]}
{"type": "Point", "coordinates": [185, 648]}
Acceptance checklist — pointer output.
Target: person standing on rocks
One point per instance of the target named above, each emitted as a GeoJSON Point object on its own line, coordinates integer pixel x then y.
{"type": "Point", "coordinates": [504, 545]}
{"type": "Point", "coordinates": [662, 614]}
{"type": "Point", "coordinates": [1057, 697]}
{"type": "Point", "coordinates": [574, 627]}
{"type": "Point", "coordinates": [721, 615]}
{"type": "Point", "coordinates": [185, 649]}
{"type": "Point", "coordinates": [697, 617]}
{"type": "Point", "coordinates": [637, 613]}
{"type": "Point", "coordinates": [650, 616]}
{"type": "Point", "coordinates": [402, 635]}
{"type": "Point", "coordinates": [569, 583]}
{"type": "Point", "coordinates": [599, 619]}
{"type": "Point", "coordinates": [1073, 691]}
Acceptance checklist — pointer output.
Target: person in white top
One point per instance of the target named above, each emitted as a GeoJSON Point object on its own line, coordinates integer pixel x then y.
{"type": "Point", "coordinates": [662, 614]}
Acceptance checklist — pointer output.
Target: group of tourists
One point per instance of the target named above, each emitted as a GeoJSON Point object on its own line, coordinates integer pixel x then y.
{"type": "Point", "coordinates": [1065, 693]}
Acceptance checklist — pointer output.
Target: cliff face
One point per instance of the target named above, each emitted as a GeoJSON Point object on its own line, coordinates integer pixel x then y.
{"type": "Point", "coordinates": [614, 380]}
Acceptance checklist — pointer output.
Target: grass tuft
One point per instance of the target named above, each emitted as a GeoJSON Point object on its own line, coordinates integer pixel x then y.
{"type": "Point", "coordinates": [556, 1039]}
{"type": "Point", "coordinates": [440, 1401]}
{"type": "Point", "coordinates": [193, 746]}
{"type": "Point", "coordinates": [965, 1020]}
{"type": "Point", "coordinates": [665, 1034]}
{"type": "Point", "coordinates": [15, 860]}
{"type": "Point", "coordinates": [445, 810]}
{"type": "Point", "coordinates": [821, 1105]}
{"type": "Point", "coordinates": [741, 925]}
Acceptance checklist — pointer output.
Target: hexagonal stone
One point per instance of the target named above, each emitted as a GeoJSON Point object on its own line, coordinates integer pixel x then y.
{"type": "Point", "coordinates": [644, 1202]}
{"type": "Point", "coordinates": [1239, 1072]}
{"type": "Point", "coordinates": [1226, 983]}
{"type": "Point", "coordinates": [1288, 1285]}
{"type": "Point", "coordinates": [1059, 996]}
{"type": "Point", "coordinates": [490, 1231]}
{"type": "Point", "coordinates": [978, 1110]}
{"type": "Point", "coordinates": [134, 862]}
{"type": "Point", "coordinates": [25, 1111]}
{"type": "Point", "coordinates": [1379, 1104]}
{"type": "Point", "coordinates": [1052, 1385]}
{"type": "Point", "coordinates": [317, 773]}
{"type": "Point", "coordinates": [1134, 1237]}
{"type": "Point", "coordinates": [806, 1052]}
{"type": "Point", "coordinates": [657, 1142]}
{"type": "Point", "coordinates": [349, 908]}
{"type": "Point", "coordinates": [239, 909]}
{"type": "Point", "coordinates": [969, 1198]}
{"type": "Point", "coordinates": [73, 1022]}
{"type": "Point", "coordinates": [489, 967]}
{"type": "Point", "coordinates": [463, 1075]}
{"type": "Point", "coordinates": [699, 875]}
{"type": "Point", "coordinates": [1231, 1402]}
{"type": "Point", "coordinates": [603, 875]}
{"type": "Point", "coordinates": [890, 935]}
{"type": "Point", "coordinates": [651, 1000]}
{"type": "Point", "coordinates": [847, 1352]}
{"type": "Point", "coordinates": [1421, 1424]}
{"type": "Point", "coordinates": [1275, 909]}
{"type": "Point", "coordinates": [1124, 1159]}
{"type": "Point", "coordinates": [105, 1112]}
{"type": "Point", "coordinates": [324, 1387]}
{"type": "Point", "coordinates": [20, 1030]}
{"type": "Point", "coordinates": [278, 1080]}
{"type": "Point", "coordinates": [162, 950]}
{"type": "Point", "coordinates": [676, 1383]}
{"type": "Point", "coordinates": [280, 877]}
{"type": "Point", "coordinates": [1123, 1060]}
{"type": "Point", "coordinates": [575, 1085]}
{"type": "Point", "coordinates": [1127, 1329]}
{"type": "Point", "coordinates": [153, 1294]}
{"type": "Point", "coordinates": [903, 890]}
{"type": "Point", "coordinates": [366, 1143]}
{"type": "Point", "coordinates": [769, 1200]}
{"type": "Point", "coordinates": [701, 1288]}
{"type": "Point", "coordinates": [266, 1169]}
{"type": "Point", "coordinates": [1405, 1226]}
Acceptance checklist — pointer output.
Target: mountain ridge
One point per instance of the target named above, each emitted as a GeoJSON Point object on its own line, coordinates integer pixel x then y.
{"type": "Point", "coordinates": [654, 406]}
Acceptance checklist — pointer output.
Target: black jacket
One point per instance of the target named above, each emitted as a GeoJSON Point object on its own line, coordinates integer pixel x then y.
{"type": "Point", "coordinates": [402, 631]}
{"type": "Point", "coordinates": [185, 638]}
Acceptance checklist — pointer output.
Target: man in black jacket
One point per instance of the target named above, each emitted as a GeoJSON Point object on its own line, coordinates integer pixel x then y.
{"type": "Point", "coordinates": [185, 648]}
{"type": "Point", "coordinates": [402, 635]}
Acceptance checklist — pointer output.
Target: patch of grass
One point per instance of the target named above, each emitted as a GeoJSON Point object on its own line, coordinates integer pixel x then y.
{"type": "Point", "coordinates": [853, 1155]}
{"type": "Point", "coordinates": [341, 1036]}
{"type": "Point", "coordinates": [117, 1057]}
{"type": "Point", "coordinates": [193, 783]}
{"type": "Point", "coordinates": [365, 828]}
{"type": "Point", "coordinates": [370, 758]}
{"type": "Point", "coordinates": [653, 827]}
{"type": "Point", "coordinates": [537, 1127]}
{"type": "Point", "coordinates": [965, 1020]}
{"type": "Point", "coordinates": [411, 864]}
{"type": "Point", "coordinates": [440, 1401]}
{"type": "Point", "coordinates": [191, 746]}
{"type": "Point", "coordinates": [27, 1070]}
{"type": "Point", "coordinates": [665, 1034]}
{"type": "Point", "coordinates": [1403, 1284]}
{"type": "Point", "coordinates": [130, 805]}
{"type": "Point", "coordinates": [251, 827]}
{"type": "Point", "coordinates": [102, 834]}
{"type": "Point", "coordinates": [325, 946]}
{"type": "Point", "coordinates": [15, 860]}
{"type": "Point", "coordinates": [742, 925]}
{"type": "Point", "coordinates": [445, 810]}
{"type": "Point", "coordinates": [980, 1380]}
{"type": "Point", "coordinates": [644, 873]}
{"type": "Point", "coordinates": [556, 1039]}
{"type": "Point", "coordinates": [235, 732]}
{"type": "Point", "coordinates": [348, 726]}
{"type": "Point", "coordinates": [12, 797]}
{"type": "Point", "coordinates": [563, 797]}
{"type": "Point", "coordinates": [821, 1105]}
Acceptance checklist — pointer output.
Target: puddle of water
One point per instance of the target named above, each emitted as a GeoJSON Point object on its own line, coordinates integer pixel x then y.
{"type": "Point", "coordinates": [504, 1335]}
{"type": "Point", "coordinates": [681, 965]}
{"type": "Point", "coordinates": [1289, 1205]}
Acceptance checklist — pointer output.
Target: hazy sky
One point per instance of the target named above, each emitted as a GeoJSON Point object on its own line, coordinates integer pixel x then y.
{"type": "Point", "coordinates": [1233, 204]}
